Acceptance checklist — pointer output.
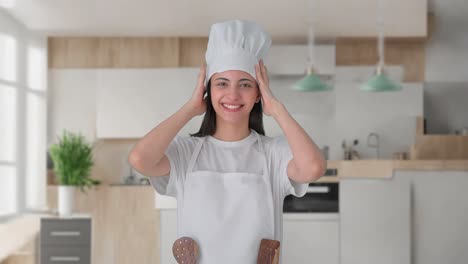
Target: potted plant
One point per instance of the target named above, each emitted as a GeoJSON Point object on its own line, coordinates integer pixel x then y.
{"type": "Point", "coordinates": [73, 160]}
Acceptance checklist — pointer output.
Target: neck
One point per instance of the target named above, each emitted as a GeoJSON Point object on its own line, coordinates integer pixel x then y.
{"type": "Point", "coordinates": [231, 132]}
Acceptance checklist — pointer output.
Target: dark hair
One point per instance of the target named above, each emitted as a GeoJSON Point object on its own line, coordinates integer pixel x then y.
{"type": "Point", "coordinates": [208, 126]}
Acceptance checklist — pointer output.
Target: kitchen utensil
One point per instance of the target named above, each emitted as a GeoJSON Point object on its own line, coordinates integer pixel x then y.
{"type": "Point", "coordinates": [325, 152]}
{"type": "Point", "coordinates": [400, 156]}
{"type": "Point", "coordinates": [464, 131]}
{"type": "Point", "coordinates": [373, 142]}
{"type": "Point", "coordinates": [349, 152]}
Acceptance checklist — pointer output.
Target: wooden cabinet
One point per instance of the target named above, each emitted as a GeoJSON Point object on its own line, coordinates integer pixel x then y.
{"type": "Point", "coordinates": [125, 224]}
{"type": "Point", "coordinates": [375, 221]}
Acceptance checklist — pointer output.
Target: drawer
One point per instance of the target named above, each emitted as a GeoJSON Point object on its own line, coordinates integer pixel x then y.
{"type": "Point", "coordinates": [65, 232]}
{"type": "Point", "coordinates": [65, 255]}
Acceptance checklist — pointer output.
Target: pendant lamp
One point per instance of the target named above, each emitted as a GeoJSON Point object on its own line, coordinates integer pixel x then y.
{"type": "Point", "coordinates": [311, 82]}
{"type": "Point", "coordinates": [380, 82]}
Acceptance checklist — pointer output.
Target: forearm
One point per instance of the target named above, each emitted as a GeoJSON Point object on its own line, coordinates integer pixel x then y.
{"type": "Point", "coordinates": [308, 158]}
{"type": "Point", "coordinates": [150, 149]}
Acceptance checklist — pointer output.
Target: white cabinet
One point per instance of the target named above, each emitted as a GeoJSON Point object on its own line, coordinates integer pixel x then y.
{"type": "Point", "coordinates": [164, 201]}
{"type": "Point", "coordinates": [130, 102]}
{"type": "Point", "coordinates": [310, 238]}
{"type": "Point", "coordinates": [168, 234]}
{"type": "Point", "coordinates": [375, 221]}
{"type": "Point", "coordinates": [439, 215]}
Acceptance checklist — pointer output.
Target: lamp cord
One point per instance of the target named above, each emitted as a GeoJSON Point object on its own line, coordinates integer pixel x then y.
{"type": "Point", "coordinates": [380, 19]}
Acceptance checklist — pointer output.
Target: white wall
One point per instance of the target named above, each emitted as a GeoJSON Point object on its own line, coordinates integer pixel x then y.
{"type": "Point", "coordinates": [346, 113]}
{"type": "Point", "coordinates": [328, 117]}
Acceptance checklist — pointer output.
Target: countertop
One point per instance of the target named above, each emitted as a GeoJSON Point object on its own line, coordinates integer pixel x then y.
{"type": "Point", "coordinates": [385, 168]}
{"type": "Point", "coordinates": [17, 233]}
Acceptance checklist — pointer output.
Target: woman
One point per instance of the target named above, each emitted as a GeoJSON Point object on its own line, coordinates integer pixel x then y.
{"type": "Point", "coordinates": [230, 179]}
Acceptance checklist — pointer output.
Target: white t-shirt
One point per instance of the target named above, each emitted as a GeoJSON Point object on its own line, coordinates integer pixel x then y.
{"type": "Point", "coordinates": [245, 152]}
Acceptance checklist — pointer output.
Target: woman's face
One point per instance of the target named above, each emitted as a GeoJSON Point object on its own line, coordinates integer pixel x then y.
{"type": "Point", "coordinates": [233, 95]}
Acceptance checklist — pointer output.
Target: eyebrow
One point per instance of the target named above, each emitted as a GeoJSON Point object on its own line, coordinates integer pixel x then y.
{"type": "Point", "coordinates": [241, 80]}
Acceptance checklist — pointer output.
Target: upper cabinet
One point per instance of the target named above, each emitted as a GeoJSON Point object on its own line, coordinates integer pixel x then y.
{"type": "Point", "coordinates": [130, 103]}
{"type": "Point", "coordinates": [358, 18]}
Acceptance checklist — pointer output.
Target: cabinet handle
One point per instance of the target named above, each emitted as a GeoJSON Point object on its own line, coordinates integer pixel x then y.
{"type": "Point", "coordinates": [65, 233]}
{"type": "Point", "coordinates": [318, 189]}
{"type": "Point", "coordinates": [64, 258]}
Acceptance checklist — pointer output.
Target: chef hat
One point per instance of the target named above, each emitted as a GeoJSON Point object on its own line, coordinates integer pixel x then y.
{"type": "Point", "coordinates": [235, 45]}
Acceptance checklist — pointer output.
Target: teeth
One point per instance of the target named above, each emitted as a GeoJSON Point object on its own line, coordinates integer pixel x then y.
{"type": "Point", "coordinates": [231, 106]}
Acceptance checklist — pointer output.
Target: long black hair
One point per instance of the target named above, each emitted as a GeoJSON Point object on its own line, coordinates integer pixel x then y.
{"type": "Point", "coordinates": [208, 126]}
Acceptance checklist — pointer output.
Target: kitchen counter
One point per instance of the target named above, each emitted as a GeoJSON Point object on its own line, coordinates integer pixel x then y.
{"type": "Point", "coordinates": [385, 168]}
{"type": "Point", "coordinates": [311, 216]}
{"type": "Point", "coordinates": [16, 233]}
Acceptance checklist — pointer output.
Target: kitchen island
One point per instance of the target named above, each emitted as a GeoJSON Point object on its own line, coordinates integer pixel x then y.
{"type": "Point", "coordinates": [403, 211]}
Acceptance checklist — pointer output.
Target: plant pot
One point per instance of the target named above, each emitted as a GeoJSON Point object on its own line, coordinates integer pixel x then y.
{"type": "Point", "coordinates": [66, 195]}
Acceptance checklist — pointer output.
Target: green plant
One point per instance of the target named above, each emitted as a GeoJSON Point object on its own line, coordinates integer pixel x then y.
{"type": "Point", "coordinates": [73, 160]}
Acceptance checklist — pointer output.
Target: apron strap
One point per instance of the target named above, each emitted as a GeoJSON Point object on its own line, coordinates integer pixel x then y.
{"type": "Point", "coordinates": [194, 156]}
{"type": "Point", "coordinates": [266, 173]}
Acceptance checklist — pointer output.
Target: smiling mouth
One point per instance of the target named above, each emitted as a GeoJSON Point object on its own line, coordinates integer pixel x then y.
{"type": "Point", "coordinates": [231, 108]}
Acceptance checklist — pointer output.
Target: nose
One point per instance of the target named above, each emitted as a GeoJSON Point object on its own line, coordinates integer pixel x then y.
{"type": "Point", "coordinates": [233, 92]}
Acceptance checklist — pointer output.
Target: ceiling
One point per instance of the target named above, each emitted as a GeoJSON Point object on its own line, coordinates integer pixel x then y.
{"type": "Point", "coordinates": [332, 18]}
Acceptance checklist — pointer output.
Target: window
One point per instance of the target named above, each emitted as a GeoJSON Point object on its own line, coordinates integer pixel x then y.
{"type": "Point", "coordinates": [35, 129]}
{"type": "Point", "coordinates": [8, 128]}
{"type": "Point", "coordinates": [23, 71]}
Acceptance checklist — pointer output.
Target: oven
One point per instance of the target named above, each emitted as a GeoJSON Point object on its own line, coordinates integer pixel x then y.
{"type": "Point", "coordinates": [321, 197]}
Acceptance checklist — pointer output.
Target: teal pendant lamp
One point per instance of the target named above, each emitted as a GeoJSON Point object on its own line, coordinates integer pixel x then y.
{"type": "Point", "coordinates": [311, 82]}
{"type": "Point", "coordinates": [380, 82]}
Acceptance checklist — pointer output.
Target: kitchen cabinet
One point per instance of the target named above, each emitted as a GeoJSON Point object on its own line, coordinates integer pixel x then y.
{"type": "Point", "coordinates": [375, 221]}
{"type": "Point", "coordinates": [168, 234]}
{"type": "Point", "coordinates": [125, 226]}
{"type": "Point", "coordinates": [310, 238]}
{"type": "Point", "coordinates": [439, 215]}
{"type": "Point", "coordinates": [130, 102]}
{"type": "Point", "coordinates": [65, 240]}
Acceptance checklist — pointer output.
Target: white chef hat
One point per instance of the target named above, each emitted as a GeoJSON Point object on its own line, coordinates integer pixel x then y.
{"type": "Point", "coordinates": [235, 45]}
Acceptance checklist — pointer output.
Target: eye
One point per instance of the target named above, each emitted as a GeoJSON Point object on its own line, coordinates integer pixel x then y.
{"type": "Point", "coordinates": [247, 85]}
{"type": "Point", "coordinates": [221, 84]}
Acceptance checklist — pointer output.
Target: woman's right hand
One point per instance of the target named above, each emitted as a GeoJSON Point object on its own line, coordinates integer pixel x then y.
{"type": "Point", "coordinates": [197, 104]}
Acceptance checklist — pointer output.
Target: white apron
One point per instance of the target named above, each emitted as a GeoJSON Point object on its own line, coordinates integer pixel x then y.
{"type": "Point", "coordinates": [227, 214]}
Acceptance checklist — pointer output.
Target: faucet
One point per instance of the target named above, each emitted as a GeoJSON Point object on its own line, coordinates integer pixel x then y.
{"type": "Point", "coordinates": [375, 144]}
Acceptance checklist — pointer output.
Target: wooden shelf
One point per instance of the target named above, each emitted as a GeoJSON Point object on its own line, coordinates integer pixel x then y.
{"type": "Point", "coordinates": [433, 146]}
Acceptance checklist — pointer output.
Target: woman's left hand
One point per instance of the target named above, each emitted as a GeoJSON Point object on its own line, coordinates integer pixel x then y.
{"type": "Point", "coordinates": [270, 103]}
